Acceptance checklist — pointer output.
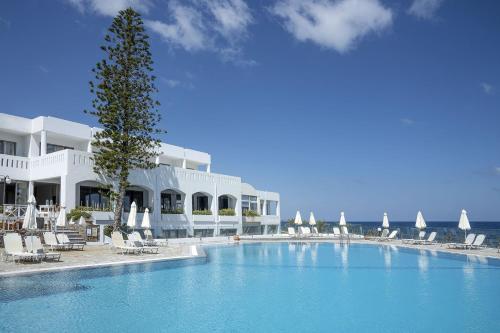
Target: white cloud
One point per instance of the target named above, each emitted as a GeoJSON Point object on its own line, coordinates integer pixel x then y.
{"type": "Point", "coordinates": [407, 121]}
{"type": "Point", "coordinates": [232, 17]}
{"type": "Point", "coordinates": [487, 88]}
{"type": "Point", "coordinates": [110, 7]}
{"type": "Point", "coordinates": [187, 28]}
{"type": "Point", "coordinates": [424, 9]}
{"type": "Point", "coordinates": [337, 25]}
{"type": "Point", "coordinates": [210, 25]}
{"type": "Point", "coordinates": [174, 83]}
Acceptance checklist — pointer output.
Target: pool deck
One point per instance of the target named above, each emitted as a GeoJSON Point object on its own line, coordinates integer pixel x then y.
{"type": "Point", "coordinates": [483, 252]}
{"type": "Point", "coordinates": [94, 256]}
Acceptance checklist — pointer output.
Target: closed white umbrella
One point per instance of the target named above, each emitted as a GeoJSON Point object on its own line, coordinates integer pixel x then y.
{"type": "Point", "coordinates": [298, 219]}
{"type": "Point", "coordinates": [82, 221]}
{"type": "Point", "coordinates": [385, 221]}
{"type": "Point", "coordinates": [463, 223]}
{"type": "Point", "coordinates": [29, 222]}
{"type": "Point", "coordinates": [312, 220]}
{"type": "Point", "coordinates": [61, 219]}
{"type": "Point", "coordinates": [342, 221]}
{"type": "Point", "coordinates": [146, 224]}
{"type": "Point", "coordinates": [420, 222]}
{"type": "Point", "coordinates": [132, 216]}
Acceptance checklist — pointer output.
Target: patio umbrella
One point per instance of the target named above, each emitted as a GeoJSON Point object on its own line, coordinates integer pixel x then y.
{"type": "Point", "coordinates": [29, 222]}
{"type": "Point", "coordinates": [132, 215]}
{"type": "Point", "coordinates": [312, 220]}
{"type": "Point", "coordinates": [82, 221]}
{"type": "Point", "coordinates": [146, 224]}
{"type": "Point", "coordinates": [61, 219]}
{"type": "Point", "coordinates": [464, 224]}
{"type": "Point", "coordinates": [385, 222]}
{"type": "Point", "coordinates": [298, 219]}
{"type": "Point", "coordinates": [342, 221]}
{"type": "Point", "coordinates": [420, 222]}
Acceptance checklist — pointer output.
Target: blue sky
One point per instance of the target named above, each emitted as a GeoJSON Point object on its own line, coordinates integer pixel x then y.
{"type": "Point", "coordinates": [364, 106]}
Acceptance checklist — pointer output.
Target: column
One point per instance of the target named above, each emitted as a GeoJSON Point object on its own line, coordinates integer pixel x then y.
{"type": "Point", "coordinates": [31, 189]}
{"type": "Point", "coordinates": [43, 143]}
{"type": "Point", "coordinates": [208, 168]}
{"type": "Point", "coordinates": [33, 149]}
{"type": "Point", "coordinates": [89, 146]}
{"type": "Point", "coordinates": [184, 163]}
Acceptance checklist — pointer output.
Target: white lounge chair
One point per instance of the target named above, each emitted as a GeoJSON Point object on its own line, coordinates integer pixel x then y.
{"type": "Point", "coordinates": [336, 232]}
{"type": "Point", "coordinates": [119, 243]}
{"type": "Point", "coordinates": [421, 236]}
{"type": "Point", "coordinates": [291, 232]}
{"type": "Point", "coordinates": [34, 245]}
{"type": "Point", "coordinates": [136, 237]}
{"type": "Point", "coordinates": [478, 242]}
{"type": "Point", "coordinates": [315, 231]}
{"type": "Point", "coordinates": [428, 241]}
{"type": "Point", "coordinates": [51, 241]}
{"type": "Point", "coordinates": [13, 244]}
{"type": "Point", "coordinates": [468, 242]}
{"type": "Point", "coordinates": [62, 238]}
{"type": "Point", "coordinates": [383, 235]}
{"type": "Point", "coordinates": [150, 239]}
{"type": "Point", "coordinates": [306, 232]}
{"type": "Point", "coordinates": [391, 236]}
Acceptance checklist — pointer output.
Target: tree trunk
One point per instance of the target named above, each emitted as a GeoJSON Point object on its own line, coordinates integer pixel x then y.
{"type": "Point", "coordinates": [122, 186]}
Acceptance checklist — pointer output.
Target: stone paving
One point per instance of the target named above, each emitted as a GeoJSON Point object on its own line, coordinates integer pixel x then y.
{"type": "Point", "coordinates": [96, 256]}
{"type": "Point", "coordinates": [104, 255]}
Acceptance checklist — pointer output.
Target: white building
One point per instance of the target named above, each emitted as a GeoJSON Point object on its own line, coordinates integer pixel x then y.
{"type": "Point", "coordinates": [51, 159]}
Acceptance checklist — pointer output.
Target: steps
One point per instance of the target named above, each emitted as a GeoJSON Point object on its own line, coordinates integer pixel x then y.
{"type": "Point", "coordinates": [73, 235]}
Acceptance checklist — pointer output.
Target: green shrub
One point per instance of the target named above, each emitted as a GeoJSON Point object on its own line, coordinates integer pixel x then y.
{"type": "Point", "coordinates": [227, 212]}
{"type": "Point", "coordinates": [76, 213]}
{"type": "Point", "coordinates": [250, 213]}
{"type": "Point", "coordinates": [94, 209]}
{"type": "Point", "coordinates": [123, 228]}
{"type": "Point", "coordinates": [202, 212]}
{"type": "Point", "coordinates": [173, 211]}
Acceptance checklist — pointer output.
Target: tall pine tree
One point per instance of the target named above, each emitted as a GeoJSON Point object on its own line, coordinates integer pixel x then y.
{"type": "Point", "coordinates": [124, 105]}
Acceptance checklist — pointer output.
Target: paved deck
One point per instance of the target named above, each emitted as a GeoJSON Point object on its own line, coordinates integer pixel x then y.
{"type": "Point", "coordinates": [104, 255]}
{"type": "Point", "coordinates": [98, 256]}
{"type": "Point", "coordinates": [484, 252]}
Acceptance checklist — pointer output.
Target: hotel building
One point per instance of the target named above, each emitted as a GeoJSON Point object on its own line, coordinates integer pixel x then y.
{"type": "Point", "coordinates": [51, 158]}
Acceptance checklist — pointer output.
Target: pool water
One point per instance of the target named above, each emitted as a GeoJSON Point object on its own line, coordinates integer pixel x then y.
{"type": "Point", "coordinates": [278, 287]}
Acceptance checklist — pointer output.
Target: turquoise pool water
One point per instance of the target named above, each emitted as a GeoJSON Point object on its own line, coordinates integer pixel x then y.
{"type": "Point", "coordinates": [265, 288]}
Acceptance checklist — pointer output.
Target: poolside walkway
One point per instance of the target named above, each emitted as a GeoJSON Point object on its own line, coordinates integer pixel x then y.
{"type": "Point", "coordinates": [99, 256]}
{"type": "Point", "coordinates": [484, 252]}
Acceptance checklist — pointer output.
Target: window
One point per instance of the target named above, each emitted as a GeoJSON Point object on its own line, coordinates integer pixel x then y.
{"type": "Point", "coordinates": [94, 197]}
{"type": "Point", "coordinates": [7, 147]}
{"type": "Point", "coordinates": [171, 201]}
{"type": "Point", "coordinates": [51, 148]}
{"type": "Point", "coordinates": [131, 196]}
{"type": "Point", "coordinates": [248, 202]}
{"type": "Point", "coordinates": [271, 207]}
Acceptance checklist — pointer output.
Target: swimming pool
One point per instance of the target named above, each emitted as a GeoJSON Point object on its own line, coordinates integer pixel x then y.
{"type": "Point", "coordinates": [278, 287]}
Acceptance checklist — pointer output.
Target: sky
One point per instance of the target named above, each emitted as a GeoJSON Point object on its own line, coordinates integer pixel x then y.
{"type": "Point", "coordinates": [362, 106]}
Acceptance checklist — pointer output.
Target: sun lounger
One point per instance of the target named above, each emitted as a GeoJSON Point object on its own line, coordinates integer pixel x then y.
{"type": "Point", "coordinates": [34, 245]}
{"type": "Point", "coordinates": [428, 241]}
{"type": "Point", "coordinates": [136, 237]}
{"type": "Point", "coordinates": [421, 236]}
{"type": "Point", "coordinates": [149, 238]}
{"type": "Point", "coordinates": [478, 242]}
{"type": "Point", "coordinates": [13, 244]}
{"type": "Point", "coordinates": [119, 243]}
{"type": "Point", "coordinates": [51, 241]}
{"type": "Point", "coordinates": [392, 236]}
{"type": "Point", "coordinates": [306, 232]}
{"type": "Point", "coordinates": [383, 235]}
{"type": "Point", "coordinates": [291, 232]}
{"type": "Point", "coordinates": [62, 238]}
{"type": "Point", "coordinates": [468, 242]}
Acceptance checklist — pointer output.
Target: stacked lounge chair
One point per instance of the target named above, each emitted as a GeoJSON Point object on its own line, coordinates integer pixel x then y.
{"type": "Point", "coordinates": [51, 241]}
{"type": "Point", "coordinates": [392, 236]}
{"type": "Point", "coordinates": [62, 238]}
{"type": "Point", "coordinates": [14, 248]}
{"type": "Point", "coordinates": [136, 237]}
{"type": "Point", "coordinates": [119, 244]}
{"type": "Point", "coordinates": [34, 245]}
{"type": "Point", "coordinates": [467, 243]}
